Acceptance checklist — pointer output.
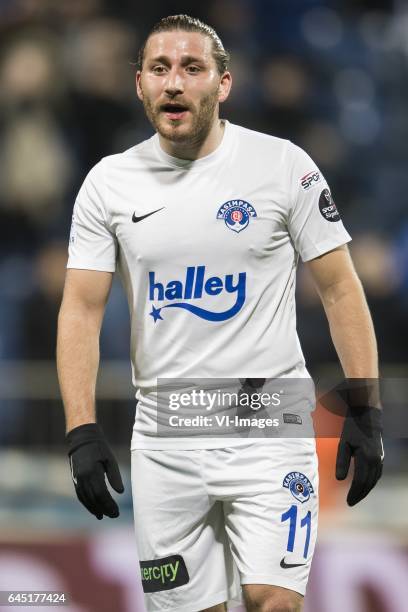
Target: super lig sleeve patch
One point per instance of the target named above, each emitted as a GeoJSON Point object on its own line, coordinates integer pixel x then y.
{"type": "Point", "coordinates": [327, 207]}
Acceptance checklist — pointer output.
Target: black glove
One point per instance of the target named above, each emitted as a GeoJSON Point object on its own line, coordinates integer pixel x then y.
{"type": "Point", "coordinates": [361, 438]}
{"type": "Point", "coordinates": [90, 457]}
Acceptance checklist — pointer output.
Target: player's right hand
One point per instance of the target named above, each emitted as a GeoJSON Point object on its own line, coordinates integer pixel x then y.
{"type": "Point", "coordinates": [90, 457]}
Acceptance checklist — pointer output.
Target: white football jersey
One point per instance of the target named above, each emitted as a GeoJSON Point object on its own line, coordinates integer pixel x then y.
{"type": "Point", "coordinates": [207, 252]}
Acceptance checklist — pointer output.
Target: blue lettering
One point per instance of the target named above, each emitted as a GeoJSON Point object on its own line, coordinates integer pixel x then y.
{"type": "Point", "coordinates": [240, 287]}
{"type": "Point", "coordinates": [213, 285]}
{"type": "Point", "coordinates": [154, 286]}
{"type": "Point", "coordinates": [193, 288]}
{"type": "Point", "coordinates": [198, 289]}
{"type": "Point", "coordinates": [174, 290]}
{"type": "Point", "coordinates": [189, 283]}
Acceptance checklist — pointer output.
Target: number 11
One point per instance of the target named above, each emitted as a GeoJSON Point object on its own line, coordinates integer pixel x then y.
{"type": "Point", "coordinates": [291, 515]}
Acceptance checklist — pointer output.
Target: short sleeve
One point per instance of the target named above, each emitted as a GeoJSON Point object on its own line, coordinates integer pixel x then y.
{"type": "Point", "coordinates": [92, 246]}
{"type": "Point", "coordinates": [314, 222]}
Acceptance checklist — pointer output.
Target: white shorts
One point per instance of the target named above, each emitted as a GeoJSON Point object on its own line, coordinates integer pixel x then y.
{"type": "Point", "coordinates": [208, 521]}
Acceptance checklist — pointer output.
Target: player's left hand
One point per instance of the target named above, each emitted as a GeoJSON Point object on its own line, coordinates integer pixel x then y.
{"type": "Point", "coordinates": [361, 439]}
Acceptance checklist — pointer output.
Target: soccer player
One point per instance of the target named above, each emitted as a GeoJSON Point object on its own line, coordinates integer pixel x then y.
{"type": "Point", "coordinates": [205, 223]}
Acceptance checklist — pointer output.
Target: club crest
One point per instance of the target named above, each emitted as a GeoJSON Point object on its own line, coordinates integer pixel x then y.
{"type": "Point", "coordinates": [236, 214]}
{"type": "Point", "coordinates": [299, 485]}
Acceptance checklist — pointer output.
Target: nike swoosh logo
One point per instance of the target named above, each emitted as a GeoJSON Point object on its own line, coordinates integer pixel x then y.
{"type": "Point", "coordinates": [285, 565]}
{"type": "Point", "coordinates": [137, 219]}
{"type": "Point", "coordinates": [382, 449]}
{"type": "Point", "coordinates": [72, 471]}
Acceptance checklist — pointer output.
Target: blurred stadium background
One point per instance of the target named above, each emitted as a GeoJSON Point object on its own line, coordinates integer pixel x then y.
{"type": "Point", "coordinates": [332, 77]}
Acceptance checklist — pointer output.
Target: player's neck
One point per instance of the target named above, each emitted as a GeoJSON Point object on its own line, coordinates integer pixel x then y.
{"type": "Point", "coordinates": [194, 150]}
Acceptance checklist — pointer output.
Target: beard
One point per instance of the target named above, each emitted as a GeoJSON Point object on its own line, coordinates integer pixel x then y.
{"type": "Point", "coordinates": [193, 130]}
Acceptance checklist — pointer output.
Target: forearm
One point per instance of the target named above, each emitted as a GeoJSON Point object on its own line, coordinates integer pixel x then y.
{"type": "Point", "coordinates": [77, 364]}
{"type": "Point", "coordinates": [353, 335]}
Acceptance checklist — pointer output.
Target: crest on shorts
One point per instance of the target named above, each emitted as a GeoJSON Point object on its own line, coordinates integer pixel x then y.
{"type": "Point", "coordinates": [299, 485]}
{"type": "Point", "coordinates": [236, 214]}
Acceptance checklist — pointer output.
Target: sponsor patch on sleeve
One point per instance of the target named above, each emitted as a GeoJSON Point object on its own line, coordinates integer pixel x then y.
{"type": "Point", "coordinates": [72, 233]}
{"type": "Point", "coordinates": [310, 179]}
{"type": "Point", "coordinates": [327, 207]}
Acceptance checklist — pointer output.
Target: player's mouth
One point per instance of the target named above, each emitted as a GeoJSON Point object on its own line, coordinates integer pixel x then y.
{"type": "Point", "coordinates": [174, 112]}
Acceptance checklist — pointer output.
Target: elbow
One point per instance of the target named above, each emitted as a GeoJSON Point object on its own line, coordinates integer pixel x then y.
{"type": "Point", "coordinates": [342, 289]}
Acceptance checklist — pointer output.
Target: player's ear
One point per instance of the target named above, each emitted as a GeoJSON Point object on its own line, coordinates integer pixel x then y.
{"type": "Point", "coordinates": [138, 87]}
{"type": "Point", "coordinates": [225, 86]}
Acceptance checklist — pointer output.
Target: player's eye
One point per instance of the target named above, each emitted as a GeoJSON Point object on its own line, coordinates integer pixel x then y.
{"type": "Point", "coordinates": [193, 69]}
{"type": "Point", "coordinates": [158, 69]}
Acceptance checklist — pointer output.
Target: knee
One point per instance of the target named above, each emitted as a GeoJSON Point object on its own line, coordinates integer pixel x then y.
{"type": "Point", "coordinates": [274, 602]}
{"type": "Point", "coordinates": [275, 605]}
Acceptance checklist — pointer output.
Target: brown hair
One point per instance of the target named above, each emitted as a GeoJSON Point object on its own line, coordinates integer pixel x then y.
{"type": "Point", "coordinates": [189, 24]}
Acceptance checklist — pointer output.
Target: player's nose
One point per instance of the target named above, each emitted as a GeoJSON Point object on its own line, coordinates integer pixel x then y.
{"type": "Point", "coordinates": [174, 82]}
